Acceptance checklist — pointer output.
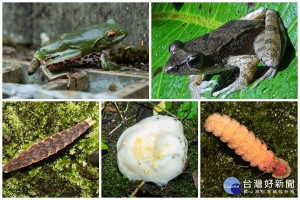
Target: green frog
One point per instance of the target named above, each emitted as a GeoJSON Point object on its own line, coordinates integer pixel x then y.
{"type": "Point", "coordinates": [81, 47]}
{"type": "Point", "coordinates": [257, 36]}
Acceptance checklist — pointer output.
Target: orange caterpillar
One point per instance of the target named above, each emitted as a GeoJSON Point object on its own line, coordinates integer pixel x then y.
{"type": "Point", "coordinates": [247, 145]}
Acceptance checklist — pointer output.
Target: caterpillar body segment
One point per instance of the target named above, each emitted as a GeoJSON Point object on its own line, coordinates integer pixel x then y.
{"type": "Point", "coordinates": [47, 147]}
{"type": "Point", "coordinates": [246, 145]}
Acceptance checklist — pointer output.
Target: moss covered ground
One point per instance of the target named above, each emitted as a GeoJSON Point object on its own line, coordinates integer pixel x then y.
{"type": "Point", "coordinates": [114, 184]}
{"type": "Point", "coordinates": [62, 174]}
{"type": "Point", "coordinates": [275, 123]}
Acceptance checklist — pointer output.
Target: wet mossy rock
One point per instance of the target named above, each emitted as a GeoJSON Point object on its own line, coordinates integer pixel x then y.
{"type": "Point", "coordinates": [274, 123]}
{"type": "Point", "coordinates": [60, 175]}
{"type": "Point", "coordinates": [114, 184]}
{"type": "Point", "coordinates": [186, 21]}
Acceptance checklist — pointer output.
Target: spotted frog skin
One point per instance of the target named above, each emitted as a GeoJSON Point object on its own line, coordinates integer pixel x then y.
{"type": "Point", "coordinates": [81, 47]}
{"type": "Point", "coordinates": [258, 36]}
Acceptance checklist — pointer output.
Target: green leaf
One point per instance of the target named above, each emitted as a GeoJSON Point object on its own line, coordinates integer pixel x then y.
{"type": "Point", "coordinates": [188, 110]}
{"type": "Point", "coordinates": [186, 106]}
{"type": "Point", "coordinates": [168, 104]}
{"type": "Point", "coordinates": [190, 20]}
{"type": "Point", "coordinates": [103, 145]}
{"type": "Point", "coordinates": [184, 109]}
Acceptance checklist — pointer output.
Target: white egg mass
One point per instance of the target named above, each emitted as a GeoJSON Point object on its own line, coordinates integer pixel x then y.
{"type": "Point", "coordinates": [153, 150]}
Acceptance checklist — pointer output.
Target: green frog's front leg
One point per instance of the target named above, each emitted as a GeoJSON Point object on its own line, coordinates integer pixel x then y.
{"type": "Point", "coordinates": [108, 65]}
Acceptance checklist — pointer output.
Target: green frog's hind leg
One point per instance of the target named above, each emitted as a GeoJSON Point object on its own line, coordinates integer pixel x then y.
{"type": "Point", "coordinates": [247, 65]}
{"type": "Point", "coordinates": [51, 77]}
{"type": "Point", "coordinates": [34, 65]}
{"type": "Point", "coordinates": [60, 62]}
{"type": "Point", "coordinates": [270, 45]}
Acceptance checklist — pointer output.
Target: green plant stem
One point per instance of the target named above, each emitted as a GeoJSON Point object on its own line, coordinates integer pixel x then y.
{"type": "Point", "coordinates": [137, 189]}
{"type": "Point", "coordinates": [163, 109]}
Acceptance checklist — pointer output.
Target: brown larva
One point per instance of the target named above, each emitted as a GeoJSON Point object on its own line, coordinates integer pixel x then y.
{"type": "Point", "coordinates": [47, 147]}
{"type": "Point", "coordinates": [247, 145]}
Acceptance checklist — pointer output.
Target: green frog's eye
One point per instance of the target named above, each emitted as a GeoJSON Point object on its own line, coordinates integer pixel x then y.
{"type": "Point", "coordinates": [193, 61]}
{"type": "Point", "coordinates": [111, 35]}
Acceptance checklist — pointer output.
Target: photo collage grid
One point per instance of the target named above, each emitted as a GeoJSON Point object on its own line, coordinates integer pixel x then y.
{"type": "Point", "coordinates": [186, 99]}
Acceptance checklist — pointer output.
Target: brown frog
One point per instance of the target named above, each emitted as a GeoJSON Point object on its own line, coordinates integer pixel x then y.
{"type": "Point", "coordinates": [258, 36]}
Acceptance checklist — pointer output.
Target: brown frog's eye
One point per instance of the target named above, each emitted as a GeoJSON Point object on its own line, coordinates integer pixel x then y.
{"type": "Point", "coordinates": [193, 62]}
{"type": "Point", "coordinates": [111, 35]}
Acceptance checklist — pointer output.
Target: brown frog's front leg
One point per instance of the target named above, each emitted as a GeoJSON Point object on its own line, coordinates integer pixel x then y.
{"type": "Point", "coordinates": [198, 86]}
{"type": "Point", "coordinates": [247, 65]}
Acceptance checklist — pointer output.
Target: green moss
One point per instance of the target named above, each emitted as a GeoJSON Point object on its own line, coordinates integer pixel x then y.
{"type": "Point", "coordinates": [114, 184]}
{"type": "Point", "coordinates": [61, 174]}
{"type": "Point", "coordinates": [275, 123]}
{"type": "Point", "coordinates": [130, 56]}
